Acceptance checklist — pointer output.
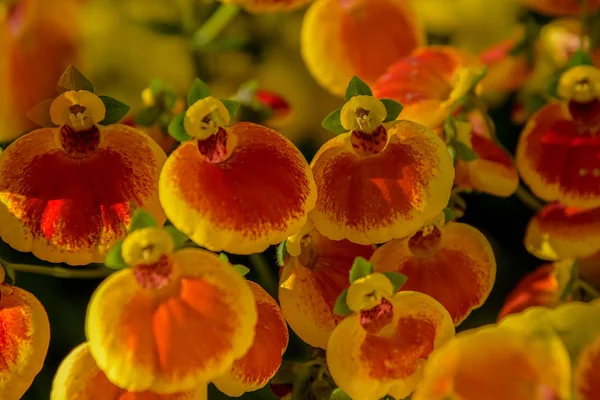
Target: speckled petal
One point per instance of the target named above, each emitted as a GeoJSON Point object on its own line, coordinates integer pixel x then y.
{"type": "Point", "coordinates": [558, 161]}
{"type": "Point", "coordinates": [342, 39]}
{"type": "Point", "coordinates": [368, 366]}
{"type": "Point", "coordinates": [261, 362]}
{"type": "Point", "coordinates": [560, 7]}
{"type": "Point", "coordinates": [168, 340]}
{"type": "Point", "coordinates": [24, 340]}
{"type": "Point", "coordinates": [257, 197]}
{"type": "Point", "coordinates": [460, 274]}
{"type": "Point", "coordinates": [66, 209]}
{"type": "Point", "coordinates": [268, 6]}
{"type": "Point", "coordinates": [79, 378]}
{"type": "Point", "coordinates": [310, 284]}
{"type": "Point", "coordinates": [381, 197]}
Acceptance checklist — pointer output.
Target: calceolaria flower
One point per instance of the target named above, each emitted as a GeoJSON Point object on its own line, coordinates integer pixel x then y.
{"type": "Point", "coordinates": [378, 181]}
{"type": "Point", "coordinates": [237, 188]}
{"type": "Point", "coordinates": [363, 38]}
{"type": "Point", "coordinates": [79, 378]}
{"type": "Point", "coordinates": [314, 272]}
{"type": "Point", "coordinates": [267, 6]}
{"type": "Point", "coordinates": [24, 339]}
{"type": "Point", "coordinates": [68, 192]}
{"type": "Point", "coordinates": [557, 154]}
{"type": "Point", "coordinates": [381, 347]}
{"type": "Point", "coordinates": [453, 263]}
{"type": "Point", "coordinates": [173, 320]}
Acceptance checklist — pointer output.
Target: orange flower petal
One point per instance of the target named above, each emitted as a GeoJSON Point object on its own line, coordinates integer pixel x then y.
{"type": "Point", "coordinates": [560, 7]}
{"type": "Point", "coordinates": [310, 284]}
{"type": "Point", "coordinates": [460, 274]}
{"type": "Point", "coordinates": [559, 232]}
{"type": "Point", "coordinates": [257, 197]}
{"type": "Point", "coordinates": [587, 384]}
{"type": "Point", "coordinates": [558, 160]}
{"type": "Point", "coordinates": [364, 37]}
{"type": "Point", "coordinates": [67, 209]}
{"type": "Point", "coordinates": [369, 366]}
{"type": "Point", "coordinates": [167, 340]}
{"type": "Point", "coordinates": [268, 6]}
{"type": "Point", "coordinates": [381, 197]}
{"type": "Point", "coordinates": [24, 340]}
{"type": "Point", "coordinates": [79, 378]}
{"type": "Point", "coordinates": [261, 362]}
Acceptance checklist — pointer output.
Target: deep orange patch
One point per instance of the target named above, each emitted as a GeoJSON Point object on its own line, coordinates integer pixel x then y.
{"type": "Point", "coordinates": [561, 7]}
{"type": "Point", "coordinates": [588, 384]}
{"type": "Point", "coordinates": [556, 216]}
{"type": "Point", "coordinates": [14, 326]}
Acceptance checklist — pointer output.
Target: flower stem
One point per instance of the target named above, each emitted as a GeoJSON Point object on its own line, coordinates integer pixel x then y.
{"type": "Point", "coordinates": [60, 272]}
{"type": "Point", "coordinates": [265, 276]}
{"type": "Point", "coordinates": [589, 289]}
{"type": "Point", "coordinates": [528, 199]}
{"type": "Point", "coordinates": [214, 25]}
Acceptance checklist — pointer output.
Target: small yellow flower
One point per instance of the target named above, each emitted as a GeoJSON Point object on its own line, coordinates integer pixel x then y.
{"type": "Point", "coordinates": [146, 246]}
{"type": "Point", "coordinates": [363, 113]}
{"type": "Point", "coordinates": [367, 292]}
{"type": "Point", "coordinates": [205, 117]}
{"type": "Point", "coordinates": [148, 97]}
{"type": "Point", "coordinates": [581, 84]}
{"type": "Point", "coordinates": [79, 109]}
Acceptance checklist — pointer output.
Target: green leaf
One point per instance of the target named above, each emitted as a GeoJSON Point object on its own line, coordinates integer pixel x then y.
{"type": "Point", "coordinates": [580, 57]}
{"type": "Point", "coordinates": [177, 130]}
{"type": "Point", "coordinates": [339, 394]}
{"type": "Point", "coordinates": [157, 86]}
{"type": "Point", "coordinates": [73, 79]}
{"type": "Point", "coordinates": [223, 257]}
{"type": "Point", "coordinates": [141, 219]}
{"type": "Point", "coordinates": [393, 109]}
{"type": "Point", "coordinates": [571, 283]}
{"type": "Point", "coordinates": [398, 280]}
{"type": "Point", "coordinates": [198, 91]}
{"type": "Point", "coordinates": [242, 269]}
{"type": "Point", "coordinates": [11, 275]}
{"type": "Point", "coordinates": [450, 129]}
{"type": "Point", "coordinates": [281, 253]}
{"type": "Point", "coordinates": [115, 110]}
{"type": "Point", "coordinates": [341, 307]}
{"type": "Point", "coordinates": [356, 87]}
{"type": "Point", "coordinates": [464, 152]}
{"type": "Point", "coordinates": [232, 107]}
{"type": "Point", "coordinates": [534, 102]}
{"type": "Point", "coordinates": [551, 85]}
{"type": "Point", "coordinates": [40, 114]}
{"type": "Point", "coordinates": [360, 268]}
{"type": "Point", "coordinates": [147, 116]}
{"type": "Point", "coordinates": [114, 258]}
{"type": "Point", "coordinates": [477, 79]}
{"type": "Point", "coordinates": [449, 214]}
{"type": "Point", "coordinates": [333, 123]}
{"type": "Point", "coordinates": [178, 237]}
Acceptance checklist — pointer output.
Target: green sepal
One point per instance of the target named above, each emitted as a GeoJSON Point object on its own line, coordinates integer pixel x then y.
{"type": "Point", "coordinates": [464, 152]}
{"type": "Point", "coordinates": [339, 394]}
{"type": "Point", "coordinates": [477, 79]}
{"type": "Point", "coordinates": [179, 238]}
{"type": "Point", "coordinates": [393, 109]}
{"type": "Point", "coordinates": [198, 91]}
{"type": "Point", "coordinates": [141, 219]}
{"type": "Point", "coordinates": [356, 87]}
{"type": "Point", "coordinates": [157, 86]}
{"type": "Point", "coordinates": [333, 122]}
{"type": "Point", "coordinates": [40, 114]}
{"type": "Point", "coordinates": [242, 269]}
{"type": "Point", "coordinates": [281, 253]}
{"type": "Point", "coordinates": [115, 110]}
{"type": "Point", "coordinates": [551, 85]}
{"type": "Point", "coordinates": [398, 280]}
{"type": "Point", "coordinates": [534, 102]}
{"type": "Point", "coordinates": [223, 257]}
{"type": "Point", "coordinates": [571, 283]}
{"type": "Point", "coordinates": [114, 257]}
{"type": "Point", "coordinates": [11, 276]}
{"type": "Point", "coordinates": [73, 79]}
{"type": "Point", "coordinates": [147, 116]}
{"type": "Point", "coordinates": [452, 152]}
{"type": "Point", "coordinates": [360, 268]}
{"type": "Point", "coordinates": [450, 129]}
{"type": "Point", "coordinates": [449, 214]}
{"type": "Point", "coordinates": [580, 57]}
{"type": "Point", "coordinates": [177, 130]}
{"type": "Point", "coordinates": [232, 107]}
{"type": "Point", "coordinates": [341, 307]}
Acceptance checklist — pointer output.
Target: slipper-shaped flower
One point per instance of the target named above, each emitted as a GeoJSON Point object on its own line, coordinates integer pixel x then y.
{"type": "Point", "coordinates": [267, 6]}
{"type": "Point", "coordinates": [342, 39]}
{"type": "Point", "coordinates": [453, 263]}
{"type": "Point", "coordinates": [239, 188]}
{"type": "Point", "coordinates": [24, 339]}
{"type": "Point", "coordinates": [79, 378]}
{"type": "Point", "coordinates": [176, 318]}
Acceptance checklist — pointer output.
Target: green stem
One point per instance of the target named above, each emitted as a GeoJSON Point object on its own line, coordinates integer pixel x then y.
{"type": "Point", "coordinates": [214, 25]}
{"type": "Point", "coordinates": [528, 199]}
{"type": "Point", "coordinates": [188, 19]}
{"type": "Point", "coordinates": [589, 289]}
{"type": "Point", "coordinates": [263, 270]}
{"type": "Point", "coordinates": [59, 272]}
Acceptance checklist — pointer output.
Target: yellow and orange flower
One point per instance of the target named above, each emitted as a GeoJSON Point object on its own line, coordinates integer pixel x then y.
{"type": "Point", "coordinates": [454, 264]}
{"type": "Point", "coordinates": [256, 368]}
{"type": "Point", "coordinates": [79, 378]}
{"type": "Point", "coordinates": [24, 339]}
{"type": "Point", "coordinates": [38, 40]}
{"type": "Point", "coordinates": [67, 193]}
{"type": "Point", "coordinates": [239, 188]}
{"type": "Point", "coordinates": [586, 382]}
{"type": "Point", "coordinates": [558, 232]}
{"type": "Point", "coordinates": [561, 7]}
{"type": "Point", "coordinates": [173, 320]}
{"type": "Point", "coordinates": [268, 6]}
{"type": "Point", "coordinates": [313, 276]}
{"type": "Point", "coordinates": [381, 351]}
{"type": "Point", "coordinates": [497, 363]}
{"type": "Point", "coordinates": [364, 37]}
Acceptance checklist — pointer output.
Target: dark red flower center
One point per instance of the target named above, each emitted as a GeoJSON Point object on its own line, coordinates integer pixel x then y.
{"type": "Point", "coordinates": [366, 144]}
{"type": "Point", "coordinates": [79, 144]}
{"type": "Point", "coordinates": [214, 148]}
{"type": "Point", "coordinates": [424, 243]}
{"type": "Point", "coordinates": [375, 319]}
{"type": "Point", "coordinates": [156, 275]}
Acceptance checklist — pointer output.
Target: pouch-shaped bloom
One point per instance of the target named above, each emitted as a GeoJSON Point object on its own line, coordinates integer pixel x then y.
{"type": "Point", "coordinates": [256, 368]}
{"type": "Point", "coordinates": [24, 339]}
{"type": "Point", "coordinates": [314, 274]}
{"type": "Point", "coordinates": [342, 39]}
{"type": "Point", "coordinates": [497, 363]}
{"type": "Point", "coordinates": [68, 193]}
{"type": "Point", "coordinates": [79, 378]}
{"type": "Point", "coordinates": [239, 188]}
{"type": "Point", "coordinates": [561, 7]}
{"type": "Point", "coordinates": [268, 6]}
{"type": "Point", "coordinates": [454, 264]}
{"type": "Point", "coordinates": [377, 183]}
{"type": "Point", "coordinates": [558, 154]}
{"type": "Point", "coordinates": [559, 232]}
{"type": "Point", "coordinates": [586, 382]}
{"type": "Point", "coordinates": [173, 320]}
